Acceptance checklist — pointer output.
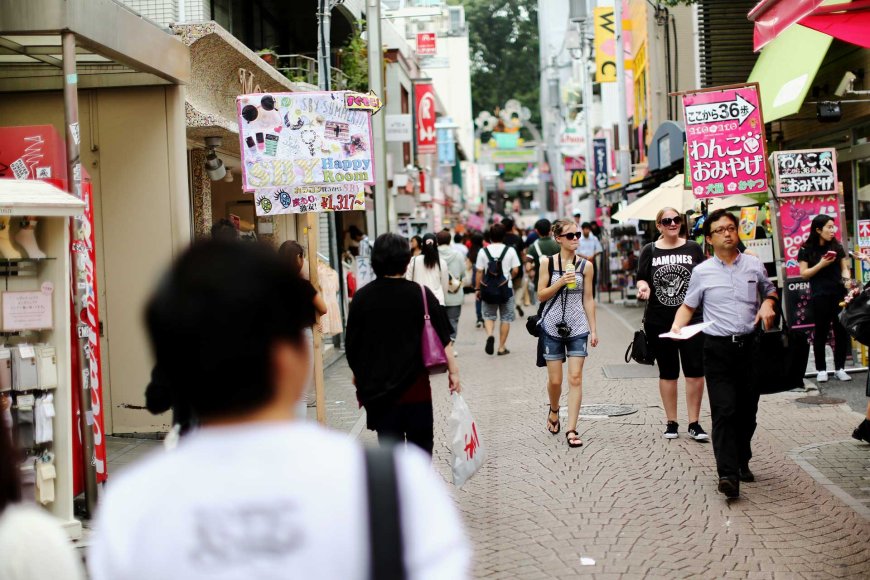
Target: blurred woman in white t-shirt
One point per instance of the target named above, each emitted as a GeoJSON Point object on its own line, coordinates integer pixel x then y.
{"type": "Point", "coordinates": [429, 269]}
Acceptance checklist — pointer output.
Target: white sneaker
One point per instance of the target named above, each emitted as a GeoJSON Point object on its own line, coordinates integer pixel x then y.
{"type": "Point", "coordinates": [822, 377]}
{"type": "Point", "coordinates": [842, 375]}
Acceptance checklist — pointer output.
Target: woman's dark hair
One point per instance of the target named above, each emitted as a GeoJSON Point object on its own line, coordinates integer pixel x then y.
{"type": "Point", "coordinates": [224, 229]}
{"type": "Point", "coordinates": [390, 255]}
{"type": "Point", "coordinates": [354, 232]}
{"type": "Point", "coordinates": [497, 233]}
{"type": "Point", "coordinates": [10, 474]}
{"type": "Point", "coordinates": [715, 217]}
{"type": "Point", "coordinates": [814, 240]}
{"type": "Point", "coordinates": [457, 238]}
{"type": "Point", "coordinates": [417, 239]}
{"type": "Point", "coordinates": [476, 246]}
{"type": "Point", "coordinates": [214, 320]}
{"type": "Point", "coordinates": [429, 249]}
{"type": "Point", "coordinates": [290, 251]}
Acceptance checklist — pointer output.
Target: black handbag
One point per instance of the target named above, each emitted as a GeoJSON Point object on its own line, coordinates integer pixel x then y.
{"type": "Point", "coordinates": [781, 358]}
{"type": "Point", "coordinates": [639, 350]}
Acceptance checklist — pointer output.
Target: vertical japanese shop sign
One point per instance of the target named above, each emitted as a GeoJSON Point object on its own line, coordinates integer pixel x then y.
{"type": "Point", "coordinates": [599, 161]}
{"type": "Point", "coordinates": [725, 141]}
{"type": "Point", "coordinates": [424, 107]}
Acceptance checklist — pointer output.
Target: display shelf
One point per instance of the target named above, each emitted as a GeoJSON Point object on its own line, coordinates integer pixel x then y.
{"type": "Point", "coordinates": [22, 267]}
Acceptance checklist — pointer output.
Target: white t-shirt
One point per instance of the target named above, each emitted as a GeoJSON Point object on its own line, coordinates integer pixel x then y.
{"type": "Point", "coordinates": [34, 547]}
{"type": "Point", "coordinates": [461, 248]}
{"type": "Point", "coordinates": [511, 260]}
{"type": "Point", "coordinates": [435, 279]}
{"type": "Point", "coordinates": [267, 501]}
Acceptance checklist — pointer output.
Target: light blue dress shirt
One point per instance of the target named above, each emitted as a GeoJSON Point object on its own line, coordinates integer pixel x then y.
{"type": "Point", "coordinates": [731, 295]}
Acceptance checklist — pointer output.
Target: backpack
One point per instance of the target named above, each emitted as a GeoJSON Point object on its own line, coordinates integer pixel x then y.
{"type": "Point", "coordinates": [494, 287]}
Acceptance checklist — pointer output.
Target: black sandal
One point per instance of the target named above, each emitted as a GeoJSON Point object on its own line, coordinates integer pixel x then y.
{"type": "Point", "coordinates": [550, 424]}
{"type": "Point", "coordinates": [575, 440]}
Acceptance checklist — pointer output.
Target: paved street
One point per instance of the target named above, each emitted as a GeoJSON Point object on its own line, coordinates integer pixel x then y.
{"type": "Point", "coordinates": [631, 504]}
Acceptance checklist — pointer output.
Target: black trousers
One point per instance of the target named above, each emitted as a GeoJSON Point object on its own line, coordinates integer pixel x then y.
{"type": "Point", "coordinates": [728, 368]}
{"type": "Point", "coordinates": [826, 311]}
{"type": "Point", "coordinates": [411, 422]}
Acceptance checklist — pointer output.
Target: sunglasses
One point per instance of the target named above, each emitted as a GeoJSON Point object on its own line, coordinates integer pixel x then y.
{"type": "Point", "coordinates": [570, 236]}
{"type": "Point", "coordinates": [674, 220]}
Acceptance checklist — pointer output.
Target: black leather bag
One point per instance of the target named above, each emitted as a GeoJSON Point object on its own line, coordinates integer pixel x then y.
{"type": "Point", "coordinates": [639, 350]}
{"type": "Point", "coordinates": [780, 359]}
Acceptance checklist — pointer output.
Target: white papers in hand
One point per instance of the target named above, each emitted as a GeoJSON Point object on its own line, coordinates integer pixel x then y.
{"type": "Point", "coordinates": [687, 332]}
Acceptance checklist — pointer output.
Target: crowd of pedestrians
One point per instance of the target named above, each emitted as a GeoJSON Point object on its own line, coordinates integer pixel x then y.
{"type": "Point", "coordinates": [286, 491]}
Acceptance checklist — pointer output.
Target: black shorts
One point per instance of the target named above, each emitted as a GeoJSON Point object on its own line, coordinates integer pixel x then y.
{"type": "Point", "coordinates": [670, 353]}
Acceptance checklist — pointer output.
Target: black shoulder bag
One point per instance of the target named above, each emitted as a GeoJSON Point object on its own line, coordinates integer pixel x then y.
{"type": "Point", "coordinates": [639, 349]}
{"type": "Point", "coordinates": [385, 519]}
{"type": "Point", "coordinates": [781, 358]}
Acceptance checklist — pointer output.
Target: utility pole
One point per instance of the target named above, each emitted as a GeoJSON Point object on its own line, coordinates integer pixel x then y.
{"type": "Point", "coordinates": [74, 177]}
{"type": "Point", "coordinates": [623, 155]}
{"type": "Point", "coordinates": [376, 83]}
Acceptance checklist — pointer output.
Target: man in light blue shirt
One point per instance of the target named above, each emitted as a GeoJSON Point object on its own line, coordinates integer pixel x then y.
{"type": "Point", "coordinates": [590, 248]}
{"type": "Point", "coordinates": [729, 286]}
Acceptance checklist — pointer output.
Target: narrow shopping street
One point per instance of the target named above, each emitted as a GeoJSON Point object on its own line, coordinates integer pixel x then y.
{"type": "Point", "coordinates": [630, 503]}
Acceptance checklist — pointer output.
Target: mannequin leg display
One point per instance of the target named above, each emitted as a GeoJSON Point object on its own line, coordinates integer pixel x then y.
{"type": "Point", "coordinates": [6, 248]}
{"type": "Point", "coordinates": [26, 238]}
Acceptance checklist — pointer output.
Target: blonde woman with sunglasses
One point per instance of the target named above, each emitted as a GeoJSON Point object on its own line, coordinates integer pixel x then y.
{"type": "Point", "coordinates": [567, 324]}
{"type": "Point", "coordinates": [664, 270]}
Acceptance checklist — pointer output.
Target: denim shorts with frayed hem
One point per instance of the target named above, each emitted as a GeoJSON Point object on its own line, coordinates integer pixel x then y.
{"type": "Point", "coordinates": [555, 348]}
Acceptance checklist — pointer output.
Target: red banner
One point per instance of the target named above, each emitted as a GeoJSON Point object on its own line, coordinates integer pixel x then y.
{"type": "Point", "coordinates": [38, 152]}
{"type": "Point", "coordinates": [424, 105]}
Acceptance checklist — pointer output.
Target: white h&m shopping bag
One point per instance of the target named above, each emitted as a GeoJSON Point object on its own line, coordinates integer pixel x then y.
{"type": "Point", "coordinates": [468, 452]}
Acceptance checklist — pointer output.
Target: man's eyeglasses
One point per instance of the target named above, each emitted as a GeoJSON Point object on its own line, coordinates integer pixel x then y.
{"type": "Point", "coordinates": [570, 236]}
{"type": "Point", "coordinates": [724, 229]}
{"type": "Point", "coordinates": [674, 220]}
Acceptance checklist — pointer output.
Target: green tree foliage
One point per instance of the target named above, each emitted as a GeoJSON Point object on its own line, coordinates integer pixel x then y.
{"type": "Point", "coordinates": [354, 62]}
{"type": "Point", "coordinates": [503, 35]}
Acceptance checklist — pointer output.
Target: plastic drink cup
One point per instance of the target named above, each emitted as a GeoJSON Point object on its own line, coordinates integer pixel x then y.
{"type": "Point", "coordinates": [570, 268]}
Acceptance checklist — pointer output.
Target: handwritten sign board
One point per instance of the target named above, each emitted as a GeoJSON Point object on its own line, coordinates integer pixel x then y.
{"type": "Point", "coordinates": [309, 198]}
{"type": "Point", "coordinates": [795, 214]}
{"type": "Point", "coordinates": [26, 311]}
{"type": "Point", "coordinates": [302, 139]}
{"type": "Point", "coordinates": [725, 141]}
{"type": "Point", "coordinates": [805, 172]}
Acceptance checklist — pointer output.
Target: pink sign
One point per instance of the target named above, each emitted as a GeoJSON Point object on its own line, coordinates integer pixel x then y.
{"type": "Point", "coordinates": [725, 141]}
{"type": "Point", "coordinates": [796, 213]}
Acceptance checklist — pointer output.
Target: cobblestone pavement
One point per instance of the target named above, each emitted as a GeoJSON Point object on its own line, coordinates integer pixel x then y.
{"type": "Point", "coordinates": [630, 503]}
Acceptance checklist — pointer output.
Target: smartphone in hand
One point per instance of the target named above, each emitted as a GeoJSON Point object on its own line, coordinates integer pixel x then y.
{"type": "Point", "coordinates": [830, 255]}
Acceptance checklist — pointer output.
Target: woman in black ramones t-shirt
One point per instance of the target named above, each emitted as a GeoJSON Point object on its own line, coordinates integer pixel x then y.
{"type": "Point", "coordinates": [664, 270]}
{"type": "Point", "coordinates": [823, 262]}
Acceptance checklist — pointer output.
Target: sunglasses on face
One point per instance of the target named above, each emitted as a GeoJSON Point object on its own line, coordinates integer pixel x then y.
{"type": "Point", "coordinates": [570, 236]}
{"type": "Point", "coordinates": [674, 220]}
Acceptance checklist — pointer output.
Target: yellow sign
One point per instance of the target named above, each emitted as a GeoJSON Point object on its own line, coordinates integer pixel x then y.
{"type": "Point", "coordinates": [578, 178]}
{"type": "Point", "coordinates": [748, 221]}
{"type": "Point", "coordinates": [605, 45]}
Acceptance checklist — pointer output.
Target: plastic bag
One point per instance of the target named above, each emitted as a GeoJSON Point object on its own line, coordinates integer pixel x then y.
{"type": "Point", "coordinates": [468, 452]}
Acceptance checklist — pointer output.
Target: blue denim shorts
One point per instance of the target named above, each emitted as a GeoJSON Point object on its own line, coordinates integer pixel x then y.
{"type": "Point", "coordinates": [555, 348]}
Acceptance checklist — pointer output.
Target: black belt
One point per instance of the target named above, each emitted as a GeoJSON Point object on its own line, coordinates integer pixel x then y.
{"type": "Point", "coordinates": [739, 339]}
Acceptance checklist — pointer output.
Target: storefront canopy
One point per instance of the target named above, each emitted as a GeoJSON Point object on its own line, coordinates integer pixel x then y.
{"type": "Point", "coordinates": [115, 47]}
{"type": "Point", "coordinates": [786, 68]}
{"type": "Point", "coordinates": [844, 19]}
{"type": "Point", "coordinates": [35, 197]}
{"type": "Point", "coordinates": [673, 194]}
